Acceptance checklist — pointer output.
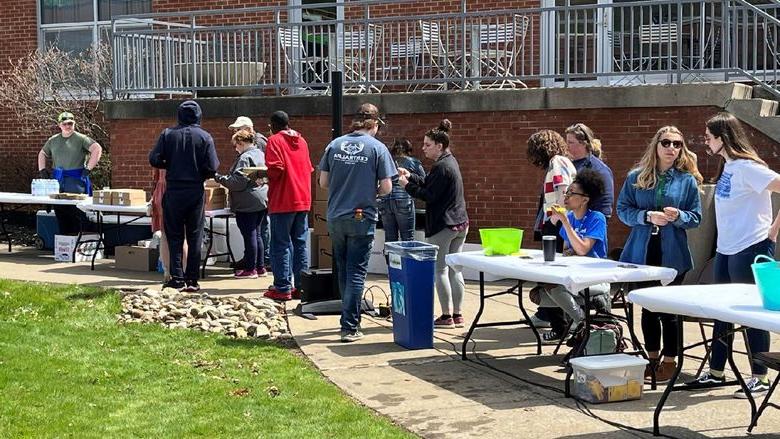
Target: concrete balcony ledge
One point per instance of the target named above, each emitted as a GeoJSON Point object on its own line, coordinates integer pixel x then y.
{"type": "Point", "coordinates": [641, 96]}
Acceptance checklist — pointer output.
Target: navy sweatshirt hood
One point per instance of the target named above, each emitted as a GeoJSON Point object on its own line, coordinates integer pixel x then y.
{"type": "Point", "coordinates": [189, 113]}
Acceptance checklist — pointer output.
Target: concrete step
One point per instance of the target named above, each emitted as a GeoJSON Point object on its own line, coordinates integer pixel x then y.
{"type": "Point", "coordinates": [759, 107]}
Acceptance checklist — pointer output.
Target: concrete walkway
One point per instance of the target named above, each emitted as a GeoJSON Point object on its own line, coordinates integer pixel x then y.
{"type": "Point", "coordinates": [502, 390]}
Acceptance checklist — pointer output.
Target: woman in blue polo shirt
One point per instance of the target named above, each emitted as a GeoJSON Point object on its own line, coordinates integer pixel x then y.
{"type": "Point", "coordinates": [584, 233]}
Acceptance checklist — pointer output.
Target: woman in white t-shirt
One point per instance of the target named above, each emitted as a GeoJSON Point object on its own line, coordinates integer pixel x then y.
{"type": "Point", "coordinates": [743, 213]}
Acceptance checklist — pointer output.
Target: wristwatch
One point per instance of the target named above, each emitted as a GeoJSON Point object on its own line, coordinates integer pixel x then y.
{"type": "Point", "coordinates": [648, 217]}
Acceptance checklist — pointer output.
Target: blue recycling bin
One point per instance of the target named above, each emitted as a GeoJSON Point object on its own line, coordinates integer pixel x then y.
{"type": "Point", "coordinates": [411, 266]}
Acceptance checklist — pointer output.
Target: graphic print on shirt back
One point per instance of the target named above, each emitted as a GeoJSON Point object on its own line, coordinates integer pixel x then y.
{"type": "Point", "coordinates": [351, 149]}
{"type": "Point", "coordinates": [723, 188]}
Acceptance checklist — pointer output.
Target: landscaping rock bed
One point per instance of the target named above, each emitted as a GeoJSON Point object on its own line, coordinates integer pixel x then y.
{"type": "Point", "coordinates": [237, 317]}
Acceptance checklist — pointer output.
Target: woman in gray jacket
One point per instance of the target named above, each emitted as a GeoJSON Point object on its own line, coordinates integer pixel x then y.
{"type": "Point", "coordinates": [248, 201]}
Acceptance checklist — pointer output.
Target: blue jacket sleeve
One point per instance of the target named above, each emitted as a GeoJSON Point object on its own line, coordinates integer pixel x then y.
{"type": "Point", "coordinates": [628, 211]}
{"type": "Point", "coordinates": [157, 156]}
{"type": "Point", "coordinates": [690, 207]}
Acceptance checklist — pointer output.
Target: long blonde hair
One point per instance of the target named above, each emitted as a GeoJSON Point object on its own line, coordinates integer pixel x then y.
{"type": "Point", "coordinates": [685, 162]}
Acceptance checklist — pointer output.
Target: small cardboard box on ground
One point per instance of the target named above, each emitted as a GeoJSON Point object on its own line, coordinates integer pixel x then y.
{"type": "Point", "coordinates": [136, 258]}
{"type": "Point", "coordinates": [64, 245]}
{"type": "Point", "coordinates": [128, 197]}
{"type": "Point", "coordinates": [608, 378]}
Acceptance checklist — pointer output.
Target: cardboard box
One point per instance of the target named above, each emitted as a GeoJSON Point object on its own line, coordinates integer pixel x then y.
{"type": "Point", "coordinates": [135, 258]}
{"type": "Point", "coordinates": [128, 197]}
{"type": "Point", "coordinates": [216, 198]}
{"type": "Point", "coordinates": [325, 257]}
{"type": "Point", "coordinates": [319, 217]}
{"type": "Point", "coordinates": [64, 244]}
{"type": "Point", "coordinates": [102, 196]}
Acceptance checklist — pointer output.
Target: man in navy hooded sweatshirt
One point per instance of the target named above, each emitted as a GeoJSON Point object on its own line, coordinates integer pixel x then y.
{"type": "Point", "coordinates": [187, 153]}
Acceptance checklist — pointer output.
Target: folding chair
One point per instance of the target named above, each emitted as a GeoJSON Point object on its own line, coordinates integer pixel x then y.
{"type": "Point", "coordinates": [436, 58]}
{"type": "Point", "coordinates": [358, 47]}
{"type": "Point", "coordinates": [772, 361]}
{"type": "Point", "coordinates": [661, 39]}
{"type": "Point", "coordinates": [500, 48]}
{"type": "Point", "coordinates": [304, 67]}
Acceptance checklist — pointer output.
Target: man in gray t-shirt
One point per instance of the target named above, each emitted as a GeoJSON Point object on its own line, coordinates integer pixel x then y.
{"type": "Point", "coordinates": [355, 169]}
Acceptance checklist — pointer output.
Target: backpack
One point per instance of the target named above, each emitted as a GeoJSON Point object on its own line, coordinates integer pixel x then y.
{"type": "Point", "coordinates": [606, 336]}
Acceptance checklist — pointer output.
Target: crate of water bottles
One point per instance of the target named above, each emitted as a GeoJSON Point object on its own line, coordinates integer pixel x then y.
{"type": "Point", "coordinates": [44, 187]}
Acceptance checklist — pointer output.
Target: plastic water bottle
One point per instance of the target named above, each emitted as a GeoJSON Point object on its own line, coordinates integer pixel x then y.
{"type": "Point", "coordinates": [55, 186]}
{"type": "Point", "coordinates": [35, 187]}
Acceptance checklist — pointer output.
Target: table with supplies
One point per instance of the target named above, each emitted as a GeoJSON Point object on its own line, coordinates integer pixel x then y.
{"type": "Point", "coordinates": [735, 304]}
{"type": "Point", "coordinates": [13, 201]}
{"type": "Point", "coordinates": [576, 273]}
{"type": "Point", "coordinates": [224, 214]}
{"type": "Point", "coordinates": [124, 215]}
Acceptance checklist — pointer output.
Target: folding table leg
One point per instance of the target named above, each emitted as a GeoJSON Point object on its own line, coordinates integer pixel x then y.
{"type": "Point", "coordinates": [672, 380]}
{"type": "Point", "coordinates": [733, 364]}
{"type": "Point", "coordinates": [527, 317]}
{"type": "Point", "coordinates": [3, 231]}
{"type": "Point", "coordinates": [208, 250]}
{"type": "Point", "coordinates": [764, 404]}
{"type": "Point", "coordinates": [101, 242]}
{"type": "Point", "coordinates": [477, 316]}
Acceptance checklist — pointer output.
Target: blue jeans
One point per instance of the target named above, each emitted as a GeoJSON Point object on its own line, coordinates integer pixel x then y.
{"type": "Point", "coordinates": [249, 225]}
{"type": "Point", "coordinates": [397, 219]}
{"type": "Point", "coordinates": [352, 240]}
{"type": "Point", "coordinates": [736, 269]}
{"type": "Point", "coordinates": [288, 248]}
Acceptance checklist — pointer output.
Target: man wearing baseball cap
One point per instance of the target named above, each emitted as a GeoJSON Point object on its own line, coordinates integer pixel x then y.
{"type": "Point", "coordinates": [73, 156]}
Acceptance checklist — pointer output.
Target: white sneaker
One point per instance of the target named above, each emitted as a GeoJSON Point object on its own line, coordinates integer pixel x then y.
{"type": "Point", "coordinates": [755, 387]}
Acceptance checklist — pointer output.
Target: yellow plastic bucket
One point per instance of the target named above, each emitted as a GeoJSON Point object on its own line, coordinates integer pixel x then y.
{"type": "Point", "coordinates": [501, 241]}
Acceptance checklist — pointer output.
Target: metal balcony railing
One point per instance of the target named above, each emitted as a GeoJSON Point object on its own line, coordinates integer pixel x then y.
{"type": "Point", "coordinates": [380, 46]}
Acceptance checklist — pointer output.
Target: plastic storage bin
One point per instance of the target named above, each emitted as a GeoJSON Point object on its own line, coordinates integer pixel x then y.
{"type": "Point", "coordinates": [608, 378]}
{"type": "Point", "coordinates": [411, 271]}
{"type": "Point", "coordinates": [501, 241]}
{"type": "Point", "coordinates": [767, 276]}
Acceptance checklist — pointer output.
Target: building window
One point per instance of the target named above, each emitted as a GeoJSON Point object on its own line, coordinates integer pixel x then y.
{"type": "Point", "coordinates": [74, 25]}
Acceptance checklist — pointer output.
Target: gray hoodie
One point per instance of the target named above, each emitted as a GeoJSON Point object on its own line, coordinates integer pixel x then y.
{"type": "Point", "coordinates": [245, 194]}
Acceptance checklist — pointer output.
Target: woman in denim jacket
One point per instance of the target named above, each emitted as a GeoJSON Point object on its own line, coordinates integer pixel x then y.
{"type": "Point", "coordinates": [396, 209]}
{"type": "Point", "coordinates": [659, 201]}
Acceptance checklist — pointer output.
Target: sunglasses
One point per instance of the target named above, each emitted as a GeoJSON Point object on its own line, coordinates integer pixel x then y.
{"type": "Point", "coordinates": [666, 143]}
{"type": "Point", "coordinates": [569, 193]}
{"type": "Point", "coordinates": [67, 122]}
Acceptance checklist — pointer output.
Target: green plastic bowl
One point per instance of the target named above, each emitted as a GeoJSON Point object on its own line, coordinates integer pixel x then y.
{"type": "Point", "coordinates": [503, 241]}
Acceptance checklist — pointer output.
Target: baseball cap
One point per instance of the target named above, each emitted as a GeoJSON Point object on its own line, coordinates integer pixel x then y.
{"type": "Point", "coordinates": [242, 121]}
{"type": "Point", "coordinates": [65, 116]}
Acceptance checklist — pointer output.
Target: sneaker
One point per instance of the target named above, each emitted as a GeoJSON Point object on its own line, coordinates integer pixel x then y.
{"type": "Point", "coordinates": [664, 371]}
{"type": "Point", "coordinates": [552, 337]}
{"type": "Point", "coordinates": [246, 274]}
{"type": "Point", "coordinates": [261, 272]}
{"type": "Point", "coordinates": [350, 336]}
{"type": "Point", "coordinates": [445, 321]}
{"type": "Point", "coordinates": [458, 320]}
{"type": "Point", "coordinates": [706, 379]}
{"type": "Point", "coordinates": [274, 294]}
{"type": "Point", "coordinates": [539, 323]}
{"type": "Point", "coordinates": [755, 387]}
{"type": "Point", "coordinates": [191, 286]}
{"type": "Point", "coordinates": [175, 284]}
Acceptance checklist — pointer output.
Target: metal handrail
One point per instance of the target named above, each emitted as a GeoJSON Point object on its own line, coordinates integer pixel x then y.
{"type": "Point", "coordinates": [570, 45]}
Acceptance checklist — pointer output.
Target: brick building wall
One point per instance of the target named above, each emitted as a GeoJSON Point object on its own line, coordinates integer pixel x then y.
{"type": "Point", "coordinates": [18, 33]}
{"type": "Point", "coordinates": [502, 188]}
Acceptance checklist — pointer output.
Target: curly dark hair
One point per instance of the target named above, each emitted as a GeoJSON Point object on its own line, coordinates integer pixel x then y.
{"type": "Point", "coordinates": [591, 183]}
{"type": "Point", "coordinates": [401, 146]}
{"type": "Point", "coordinates": [543, 146]}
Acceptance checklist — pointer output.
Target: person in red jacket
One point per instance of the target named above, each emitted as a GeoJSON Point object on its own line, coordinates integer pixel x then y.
{"type": "Point", "coordinates": [289, 201]}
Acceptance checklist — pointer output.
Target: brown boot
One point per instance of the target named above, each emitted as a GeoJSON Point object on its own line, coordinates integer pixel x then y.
{"type": "Point", "coordinates": [664, 371]}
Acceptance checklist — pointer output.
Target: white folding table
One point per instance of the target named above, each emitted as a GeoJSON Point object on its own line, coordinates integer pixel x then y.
{"type": "Point", "coordinates": [735, 304]}
{"type": "Point", "coordinates": [100, 210]}
{"type": "Point", "coordinates": [12, 201]}
{"type": "Point", "coordinates": [576, 273]}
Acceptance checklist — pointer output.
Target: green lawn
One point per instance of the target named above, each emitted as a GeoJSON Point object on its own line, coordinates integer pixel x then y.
{"type": "Point", "coordinates": [67, 369]}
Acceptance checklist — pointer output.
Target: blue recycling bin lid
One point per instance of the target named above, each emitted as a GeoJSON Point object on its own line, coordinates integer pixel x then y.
{"type": "Point", "coordinates": [417, 250]}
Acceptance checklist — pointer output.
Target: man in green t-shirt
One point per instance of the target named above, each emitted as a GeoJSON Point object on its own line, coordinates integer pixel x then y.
{"type": "Point", "coordinates": [73, 156]}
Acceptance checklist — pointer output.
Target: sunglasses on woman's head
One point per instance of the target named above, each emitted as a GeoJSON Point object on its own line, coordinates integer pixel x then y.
{"type": "Point", "coordinates": [666, 143]}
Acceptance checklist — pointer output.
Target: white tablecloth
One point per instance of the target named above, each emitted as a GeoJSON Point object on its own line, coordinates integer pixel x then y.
{"type": "Point", "coordinates": [219, 212]}
{"type": "Point", "coordinates": [733, 303]}
{"type": "Point", "coordinates": [19, 198]}
{"type": "Point", "coordinates": [573, 272]}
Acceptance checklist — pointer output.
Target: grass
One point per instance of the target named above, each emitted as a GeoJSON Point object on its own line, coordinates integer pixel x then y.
{"type": "Point", "coordinates": [67, 369]}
